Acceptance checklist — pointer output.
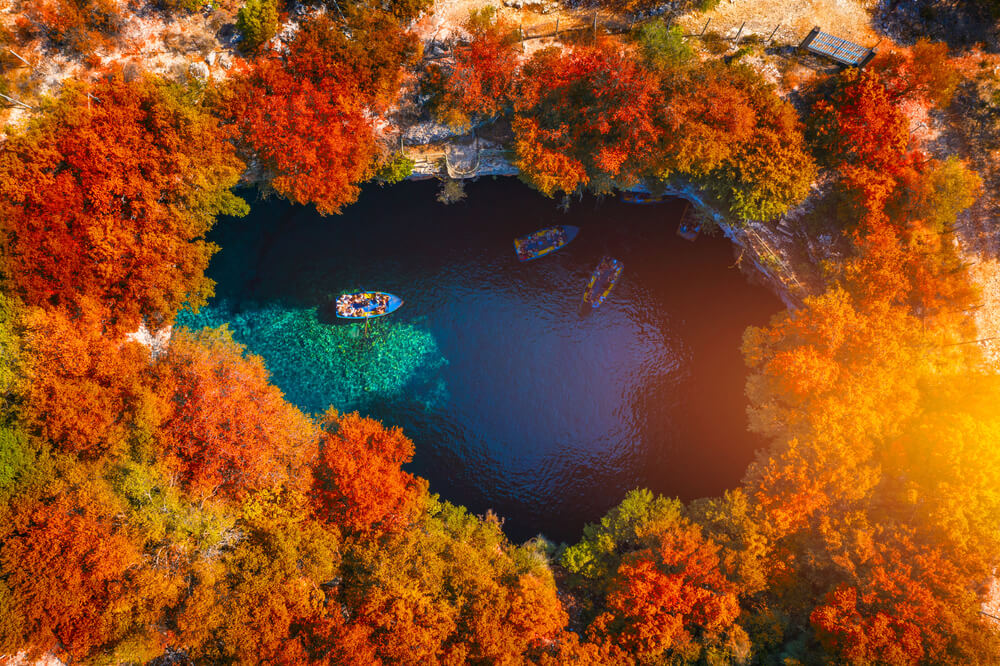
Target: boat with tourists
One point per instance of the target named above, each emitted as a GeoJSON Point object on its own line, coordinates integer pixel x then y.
{"type": "Point", "coordinates": [602, 281]}
{"type": "Point", "coordinates": [367, 305]}
{"type": "Point", "coordinates": [544, 241]}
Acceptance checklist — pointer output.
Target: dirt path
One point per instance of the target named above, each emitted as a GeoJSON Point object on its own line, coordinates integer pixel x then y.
{"type": "Point", "coordinates": [850, 19]}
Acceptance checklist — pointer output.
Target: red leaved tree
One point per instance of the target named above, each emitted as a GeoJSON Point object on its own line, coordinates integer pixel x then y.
{"type": "Point", "coordinates": [307, 113]}
{"type": "Point", "coordinates": [669, 598]}
{"type": "Point", "coordinates": [81, 381]}
{"type": "Point", "coordinates": [482, 81]}
{"type": "Point", "coordinates": [907, 604]}
{"type": "Point", "coordinates": [584, 118]}
{"type": "Point", "coordinates": [226, 427]}
{"type": "Point", "coordinates": [67, 560]}
{"type": "Point", "coordinates": [108, 194]}
{"type": "Point", "coordinates": [360, 484]}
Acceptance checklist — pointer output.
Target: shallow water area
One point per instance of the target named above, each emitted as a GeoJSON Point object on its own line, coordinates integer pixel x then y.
{"type": "Point", "coordinates": [515, 401]}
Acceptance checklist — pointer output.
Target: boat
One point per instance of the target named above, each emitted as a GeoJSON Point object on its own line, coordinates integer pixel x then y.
{"type": "Point", "coordinates": [641, 197]}
{"type": "Point", "coordinates": [366, 305]}
{"type": "Point", "coordinates": [544, 241]}
{"type": "Point", "coordinates": [602, 281]}
{"type": "Point", "coordinates": [688, 230]}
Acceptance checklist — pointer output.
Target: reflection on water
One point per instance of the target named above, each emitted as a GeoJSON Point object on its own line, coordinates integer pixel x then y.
{"type": "Point", "coordinates": [515, 401]}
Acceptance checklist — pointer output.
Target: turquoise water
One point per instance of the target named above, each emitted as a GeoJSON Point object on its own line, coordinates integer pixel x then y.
{"type": "Point", "coordinates": [318, 365]}
{"type": "Point", "coordinates": [515, 401]}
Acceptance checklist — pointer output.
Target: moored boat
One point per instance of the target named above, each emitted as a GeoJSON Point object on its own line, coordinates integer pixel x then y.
{"type": "Point", "coordinates": [688, 230]}
{"type": "Point", "coordinates": [688, 227]}
{"type": "Point", "coordinates": [641, 197]}
{"type": "Point", "coordinates": [544, 241]}
{"type": "Point", "coordinates": [602, 281]}
{"type": "Point", "coordinates": [366, 305]}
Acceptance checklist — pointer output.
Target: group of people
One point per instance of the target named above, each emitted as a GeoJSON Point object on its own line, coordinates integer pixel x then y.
{"type": "Point", "coordinates": [362, 305]}
{"type": "Point", "coordinates": [546, 238]}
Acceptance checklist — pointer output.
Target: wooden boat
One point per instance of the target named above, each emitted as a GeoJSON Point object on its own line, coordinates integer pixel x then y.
{"type": "Point", "coordinates": [602, 281]}
{"type": "Point", "coordinates": [366, 305]}
{"type": "Point", "coordinates": [641, 197]}
{"type": "Point", "coordinates": [688, 230]}
{"type": "Point", "coordinates": [544, 241]}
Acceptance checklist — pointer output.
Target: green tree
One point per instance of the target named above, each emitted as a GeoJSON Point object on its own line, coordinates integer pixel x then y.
{"type": "Point", "coordinates": [257, 21]}
{"type": "Point", "coordinates": [395, 169]}
{"type": "Point", "coordinates": [629, 526]}
{"type": "Point", "coordinates": [664, 47]}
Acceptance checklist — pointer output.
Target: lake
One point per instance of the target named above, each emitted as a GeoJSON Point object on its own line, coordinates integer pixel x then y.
{"type": "Point", "coordinates": [514, 401]}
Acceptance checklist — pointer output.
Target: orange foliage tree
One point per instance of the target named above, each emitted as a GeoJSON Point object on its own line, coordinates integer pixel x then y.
{"type": "Point", "coordinates": [81, 383]}
{"type": "Point", "coordinates": [584, 118]}
{"type": "Point", "coordinates": [900, 201]}
{"type": "Point", "coordinates": [904, 603]}
{"type": "Point", "coordinates": [262, 602]}
{"type": "Point", "coordinates": [669, 599]}
{"type": "Point", "coordinates": [108, 194]}
{"type": "Point", "coordinates": [877, 524]}
{"type": "Point", "coordinates": [68, 561]}
{"type": "Point", "coordinates": [726, 127]}
{"type": "Point", "coordinates": [359, 481]}
{"type": "Point", "coordinates": [474, 598]}
{"type": "Point", "coordinates": [225, 427]}
{"type": "Point", "coordinates": [482, 81]}
{"type": "Point", "coordinates": [653, 584]}
{"type": "Point", "coordinates": [78, 24]}
{"type": "Point", "coordinates": [922, 72]}
{"type": "Point", "coordinates": [306, 113]}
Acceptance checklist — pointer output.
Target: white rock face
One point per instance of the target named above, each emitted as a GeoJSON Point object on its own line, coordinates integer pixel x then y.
{"type": "Point", "coordinates": [198, 70]}
{"type": "Point", "coordinates": [21, 659]}
{"type": "Point", "coordinates": [428, 132]}
{"type": "Point", "coordinates": [540, 6]}
{"type": "Point", "coordinates": [157, 341]}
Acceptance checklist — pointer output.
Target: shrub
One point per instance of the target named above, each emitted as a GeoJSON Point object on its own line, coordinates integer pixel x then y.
{"type": "Point", "coordinates": [257, 21]}
{"type": "Point", "coordinates": [396, 169]}
{"type": "Point", "coordinates": [664, 47]}
{"type": "Point", "coordinates": [715, 43]}
{"type": "Point", "coordinates": [452, 191]}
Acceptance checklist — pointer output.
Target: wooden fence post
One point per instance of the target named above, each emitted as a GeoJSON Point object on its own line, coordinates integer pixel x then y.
{"type": "Point", "coordinates": [17, 101]}
{"type": "Point", "coordinates": [738, 33]}
{"type": "Point", "coordinates": [340, 13]}
{"type": "Point", "coordinates": [19, 57]}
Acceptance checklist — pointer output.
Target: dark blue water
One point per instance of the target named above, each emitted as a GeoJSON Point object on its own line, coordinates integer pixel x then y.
{"type": "Point", "coordinates": [514, 401]}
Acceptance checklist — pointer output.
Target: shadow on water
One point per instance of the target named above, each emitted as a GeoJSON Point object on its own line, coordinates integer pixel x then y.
{"type": "Point", "coordinates": [515, 401]}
